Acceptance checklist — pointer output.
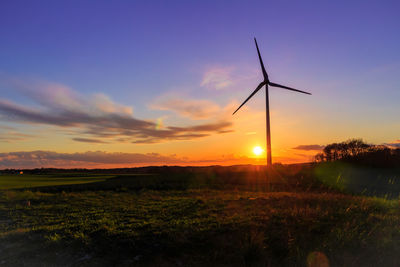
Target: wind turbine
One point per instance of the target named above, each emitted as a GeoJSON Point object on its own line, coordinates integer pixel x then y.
{"type": "Point", "coordinates": [267, 82]}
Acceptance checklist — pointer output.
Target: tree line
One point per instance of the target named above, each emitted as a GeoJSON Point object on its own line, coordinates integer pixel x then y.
{"type": "Point", "coordinates": [357, 151]}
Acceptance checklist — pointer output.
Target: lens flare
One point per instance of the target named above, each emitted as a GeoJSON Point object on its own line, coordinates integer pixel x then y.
{"type": "Point", "coordinates": [159, 124]}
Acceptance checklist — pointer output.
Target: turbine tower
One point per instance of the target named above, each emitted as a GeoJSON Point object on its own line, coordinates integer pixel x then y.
{"type": "Point", "coordinates": [267, 82]}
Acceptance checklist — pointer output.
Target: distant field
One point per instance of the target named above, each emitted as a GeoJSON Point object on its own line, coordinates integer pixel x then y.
{"type": "Point", "coordinates": [28, 181]}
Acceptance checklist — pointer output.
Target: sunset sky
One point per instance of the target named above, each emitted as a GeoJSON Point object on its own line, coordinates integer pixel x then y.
{"type": "Point", "coordinates": [133, 83]}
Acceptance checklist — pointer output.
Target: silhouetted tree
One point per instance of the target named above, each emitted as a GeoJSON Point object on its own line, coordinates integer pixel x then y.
{"type": "Point", "coordinates": [357, 151]}
{"type": "Point", "coordinates": [320, 157]}
{"type": "Point", "coordinates": [343, 150]}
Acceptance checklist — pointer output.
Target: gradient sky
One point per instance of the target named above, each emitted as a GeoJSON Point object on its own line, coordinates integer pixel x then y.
{"type": "Point", "coordinates": [129, 83]}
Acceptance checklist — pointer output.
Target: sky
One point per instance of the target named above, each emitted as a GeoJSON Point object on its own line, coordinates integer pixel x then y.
{"type": "Point", "coordinates": [103, 84]}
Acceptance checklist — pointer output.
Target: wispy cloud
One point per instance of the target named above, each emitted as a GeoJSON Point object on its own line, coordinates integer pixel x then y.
{"type": "Point", "coordinates": [190, 108]}
{"type": "Point", "coordinates": [10, 134]}
{"type": "Point", "coordinates": [309, 147]}
{"type": "Point", "coordinates": [96, 117]}
{"type": "Point", "coordinates": [195, 109]}
{"type": "Point", "coordinates": [88, 140]}
{"type": "Point", "coordinates": [217, 78]}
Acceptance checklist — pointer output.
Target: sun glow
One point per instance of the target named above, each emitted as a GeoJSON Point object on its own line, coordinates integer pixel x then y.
{"type": "Point", "coordinates": [257, 150]}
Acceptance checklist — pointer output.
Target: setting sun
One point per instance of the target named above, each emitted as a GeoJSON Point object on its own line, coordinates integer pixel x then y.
{"type": "Point", "coordinates": [257, 150]}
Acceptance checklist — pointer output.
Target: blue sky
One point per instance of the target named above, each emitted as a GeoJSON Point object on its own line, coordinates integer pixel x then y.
{"type": "Point", "coordinates": [138, 54]}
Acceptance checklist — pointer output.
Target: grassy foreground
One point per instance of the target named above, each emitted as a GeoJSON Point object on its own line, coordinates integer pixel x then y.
{"type": "Point", "coordinates": [197, 227]}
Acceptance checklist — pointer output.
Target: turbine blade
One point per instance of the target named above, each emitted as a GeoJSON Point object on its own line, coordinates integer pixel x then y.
{"type": "Point", "coordinates": [261, 62]}
{"type": "Point", "coordinates": [255, 91]}
{"type": "Point", "coordinates": [288, 88]}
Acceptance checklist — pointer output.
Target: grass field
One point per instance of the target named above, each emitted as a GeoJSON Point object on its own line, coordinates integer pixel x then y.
{"type": "Point", "coordinates": [190, 220]}
{"type": "Point", "coordinates": [28, 181]}
{"type": "Point", "coordinates": [369, 181]}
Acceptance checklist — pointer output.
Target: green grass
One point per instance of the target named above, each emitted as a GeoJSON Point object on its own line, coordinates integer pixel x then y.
{"type": "Point", "coordinates": [196, 227]}
{"type": "Point", "coordinates": [370, 181]}
{"type": "Point", "coordinates": [28, 181]}
{"type": "Point", "coordinates": [186, 218]}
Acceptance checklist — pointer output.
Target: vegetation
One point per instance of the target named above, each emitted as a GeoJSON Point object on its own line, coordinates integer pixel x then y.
{"type": "Point", "coordinates": [12, 181]}
{"type": "Point", "coordinates": [356, 151]}
{"type": "Point", "coordinates": [217, 216]}
{"type": "Point", "coordinates": [361, 180]}
{"type": "Point", "coordinates": [196, 227]}
{"type": "Point", "coordinates": [354, 166]}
